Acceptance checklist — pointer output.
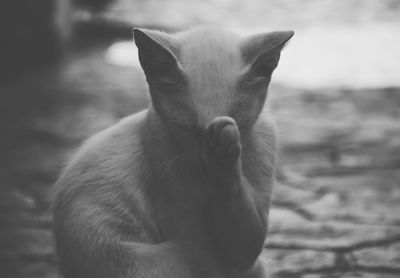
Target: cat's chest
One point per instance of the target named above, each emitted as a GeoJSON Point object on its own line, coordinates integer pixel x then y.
{"type": "Point", "coordinates": [191, 191]}
{"type": "Point", "coordinates": [182, 201]}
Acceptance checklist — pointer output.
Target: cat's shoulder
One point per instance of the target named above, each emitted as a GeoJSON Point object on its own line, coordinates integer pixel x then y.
{"type": "Point", "coordinates": [116, 142]}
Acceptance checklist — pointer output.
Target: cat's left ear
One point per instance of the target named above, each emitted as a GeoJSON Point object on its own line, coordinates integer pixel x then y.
{"type": "Point", "coordinates": [155, 53]}
{"type": "Point", "coordinates": [262, 52]}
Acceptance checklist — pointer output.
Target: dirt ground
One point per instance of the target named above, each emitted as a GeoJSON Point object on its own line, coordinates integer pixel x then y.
{"type": "Point", "coordinates": [336, 210]}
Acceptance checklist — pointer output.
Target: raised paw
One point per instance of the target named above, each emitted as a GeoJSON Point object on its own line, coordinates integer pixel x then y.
{"type": "Point", "coordinates": [222, 140]}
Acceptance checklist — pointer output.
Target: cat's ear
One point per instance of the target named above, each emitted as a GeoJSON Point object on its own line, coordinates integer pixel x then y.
{"type": "Point", "coordinates": [262, 52]}
{"type": "Point", "coordinates": [155, 52]}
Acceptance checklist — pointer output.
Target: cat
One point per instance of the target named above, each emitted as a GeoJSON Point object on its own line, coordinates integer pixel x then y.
{"type": "Point", "coordinates": [181, 189]}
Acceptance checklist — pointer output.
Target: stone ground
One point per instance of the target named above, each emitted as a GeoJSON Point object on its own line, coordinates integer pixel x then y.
{"type": "Point", "coordinates": [336, 211]}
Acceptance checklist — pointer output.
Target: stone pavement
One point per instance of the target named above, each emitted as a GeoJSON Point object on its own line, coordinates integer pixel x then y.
{"type": "Point", "coordinates": [337, 201]}
{"type": "Point", "coordinates": [336, 210]}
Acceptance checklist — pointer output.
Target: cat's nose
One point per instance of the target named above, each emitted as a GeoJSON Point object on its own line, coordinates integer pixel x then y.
{"type": "Point", "coordinates": [211, 109]}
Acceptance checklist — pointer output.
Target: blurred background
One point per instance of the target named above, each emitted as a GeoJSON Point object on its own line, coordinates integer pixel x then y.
{"type": "Point", "coordinates": [69, 69]}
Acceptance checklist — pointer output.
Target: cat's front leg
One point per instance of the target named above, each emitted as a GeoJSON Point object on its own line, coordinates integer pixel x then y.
{"type": "Point", "coordinates": [222, 154]}
{"type": "Point", "coordinates": [239, 222]}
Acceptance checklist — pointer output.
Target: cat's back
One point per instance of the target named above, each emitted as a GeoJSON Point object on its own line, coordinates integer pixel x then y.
{"type": "Point", "coordinates": [109, 157]}
{"type": "Point", "coordinates": [100, 194]}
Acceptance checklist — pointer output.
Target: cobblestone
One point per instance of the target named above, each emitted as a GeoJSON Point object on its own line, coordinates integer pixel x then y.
{"type": "Point", "coordinates": [355, 274]}
{"type": "Point", "coordinates": [383, 256]}
{"type": "Point", "coordinates": [294, 261]}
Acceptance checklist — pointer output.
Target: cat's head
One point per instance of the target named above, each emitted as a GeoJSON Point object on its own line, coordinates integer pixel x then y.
{"type": "Point", "coordinates": [203, 73]}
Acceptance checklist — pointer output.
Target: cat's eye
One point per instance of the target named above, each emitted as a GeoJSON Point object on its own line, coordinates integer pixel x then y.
{"type": "Point", "coordinates": [166, 81]}
{"type": "Point", "coordinates": [170, 82]}
{"type": "Point", "coordinates": [253, 82]}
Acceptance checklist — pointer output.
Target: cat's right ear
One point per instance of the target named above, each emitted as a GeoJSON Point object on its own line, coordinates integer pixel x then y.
{"type": "Point", "coordinates": [155, 53]}
{"type": "Point", "coordinates": [262, 52]}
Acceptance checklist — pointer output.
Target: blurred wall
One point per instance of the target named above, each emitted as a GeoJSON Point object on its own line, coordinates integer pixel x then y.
{"type": "Point", "coordinates": [32, 34]}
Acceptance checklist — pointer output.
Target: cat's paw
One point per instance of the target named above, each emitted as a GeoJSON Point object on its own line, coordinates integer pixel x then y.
{"type": "Point", "coordinates": [222, 139]}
